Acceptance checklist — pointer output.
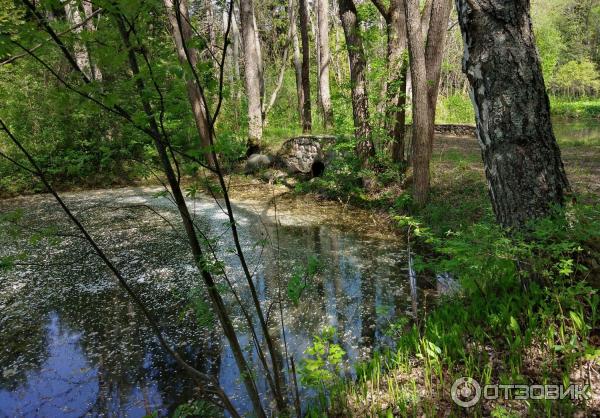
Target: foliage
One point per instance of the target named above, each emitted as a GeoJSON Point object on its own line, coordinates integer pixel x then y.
{"type": "Point", "coordinates": [577, 78]}
{"type": "Point", "coordinates": [322, 363]}
{"type": "Point", "coordinates": [195, 409]}
{"type": "Point", "coordinates": [321, 370]}
{"type": "Point", "coordinates": [301, 278]}
{"type": "Point", "coordinates": [455, 109]}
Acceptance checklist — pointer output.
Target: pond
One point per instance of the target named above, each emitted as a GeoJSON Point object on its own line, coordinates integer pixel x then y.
{"type": "Point", "coordinates": [575, 133]}
{"type": "Point", "coordinates": [73, 344]}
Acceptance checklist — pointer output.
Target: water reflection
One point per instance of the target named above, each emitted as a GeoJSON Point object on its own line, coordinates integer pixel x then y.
{"type": "Point", "coordinates": [71, 343]}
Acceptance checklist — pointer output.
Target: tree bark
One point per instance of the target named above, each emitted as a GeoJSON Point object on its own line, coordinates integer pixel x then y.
{"type": "Point", "coordinates": [296, 59]}
{"type": "Point", "coordinates": [397, 67]}
{"type": "Point", "coordinates": [252, 75]}
{"type": "Point", "coordinates": [306, 113]}
{"type": "Point", "coordinates": [80, 51]}
{"type": "Point", "coordinates": [422, 129]}
{"type": "Point", "coordinates": [234, 62]}
{"type": "Point", "coordinates": [522, 160]}
{"type": "Point", "coordinates": [88, 10]}
{"type": "Point", "coordinates": [358, 68]}
{"type": "Point", "coordinates": [261, 65]}
{"type": "Point", "coordinates": [212, 33]}
{"type": "Point", "coordinates": [324, 61]}
{"type": "Point", "coordinates": [434, 53]}
{"type": "Point", "coordinates": [193, 90]}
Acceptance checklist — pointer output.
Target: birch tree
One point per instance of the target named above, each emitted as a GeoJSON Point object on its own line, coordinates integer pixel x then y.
{"type": "Point", "coordinates": [358, 70]}
{"type": "Point", "coordinates": [252, 75]}
{"type": "Point", "coordinates": [322, 7]}
{"type": "Point", "coordinates": [522, 159]}
{"type": "Point", "coordinates": [306, 111]}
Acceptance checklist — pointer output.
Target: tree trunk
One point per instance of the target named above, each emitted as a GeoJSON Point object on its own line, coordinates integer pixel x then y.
{"type": "Point", "coordinates": [522, 160]}
{"type": "Point", "coordinates": [422, 129]}
{"type": "Point", "coordinates": [183, 35]}
{"type": "Point", "coordinates": [252, 74]}
{"type": "Point", "coordinates": [235, 45]}
{"type": "Point", "coordinates": [212, 33]}
{"type": "Point", "coordinates": [434, 53]}
{"type": "Point", "coordinates": [89, 26]}
{"type": "Point", "coordinates": [261, 65]}
{"type": "Point", "coordinates": [314, 27]}
{"type": "Point", "coordinates": [306, 118]}
{"type": "Point", "coordinates": [234, 59]}
{"type": "Point", "coordinates": [296, 59]}
{"type": "Point", "coordinates": [324, 61]}
{"type": "Point", "coordinates": [81, 53]}
{"type": "Point", "coordinates": [397, 67]}
{"type": "Point", "coordinates": [358, 69]}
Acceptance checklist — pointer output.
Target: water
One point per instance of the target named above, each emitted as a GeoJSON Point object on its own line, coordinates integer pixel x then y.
{"type": "Point", "coordinates": [577, 133]}
{"type": "Point", "coordinates": [72, 344]}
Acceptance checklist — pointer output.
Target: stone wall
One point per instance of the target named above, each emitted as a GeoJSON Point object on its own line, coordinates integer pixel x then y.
{"type": "Point", "coordinates": [457, 130]}
{"type": "Point", "coordinates": [298, 155]}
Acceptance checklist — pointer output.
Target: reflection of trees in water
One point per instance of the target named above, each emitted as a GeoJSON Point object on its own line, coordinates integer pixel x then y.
{"type": "Point", "coordinates": [23, 345]}
{"type": "Point", "coordinates": [357, 277]}
{"type": "Point", "coordinates": [114, 338]}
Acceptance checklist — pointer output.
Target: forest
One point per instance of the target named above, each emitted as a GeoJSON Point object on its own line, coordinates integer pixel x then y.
{"type": "Point", "coordinates": [310, 208]}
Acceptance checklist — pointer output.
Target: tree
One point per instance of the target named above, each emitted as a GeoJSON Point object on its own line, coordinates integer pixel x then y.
{"type": "Point", "coordinates": [425, 67]}
{"type": "Point", "coordinates": [252, 75]}
{"type": "Point", "coordinates": [522, 160]}
{"type": "Point", "coordinates": [322, 7]}
{"type": "Point", "coordinates": [80, 51]}
{"type": "Point", "coordinates": [397, 63]}
{"type": "Point", "coordinates": [306, 113]}
{"type": "Point", "coordinates": [88, 11]}
{"type": "Point", "coordinates": [296, 59]}
{"type": "Point", "coordinates": [358, 80]}
{"type": "Point", "coordinates": [422, 130]}
{"type": "Point", "coordinates": [181, 32]}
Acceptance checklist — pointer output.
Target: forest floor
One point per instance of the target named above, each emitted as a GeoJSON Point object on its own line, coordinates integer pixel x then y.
{"type": "Point", "coordinates": [582, 161]}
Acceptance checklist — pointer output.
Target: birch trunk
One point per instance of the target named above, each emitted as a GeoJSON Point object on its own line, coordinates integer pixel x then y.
{"type": "Point", "coordinates": [522, 160]}
{"type": "Point", "coordinates": [252, 75]}
{"type": "Point", "coordinates": [358, 69]}
{"type": "Point", "coordinates": [306, 112]}
{"type": "Point", "coordinates": [180, 36]}
{"type": "Point", "coordinates": [89, 26]}
{"type": "Point", "coordinates": [324, 61]}
{"type": "Point", "coordinates": [296, 59]}
{"type": "Point", "coordinates": [80, 52]}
